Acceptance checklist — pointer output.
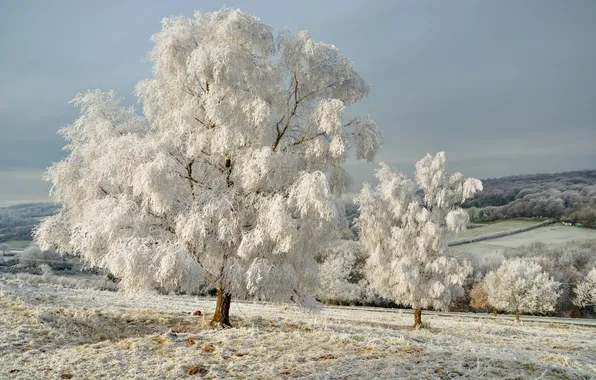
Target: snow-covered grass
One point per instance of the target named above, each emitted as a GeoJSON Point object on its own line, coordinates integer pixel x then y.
{"type": "Point", "coordinates": [555, 234]}
{"type": "Point", "coordinates": [48, 331]}
{"type": "Point", "coordinates": [79, 281]}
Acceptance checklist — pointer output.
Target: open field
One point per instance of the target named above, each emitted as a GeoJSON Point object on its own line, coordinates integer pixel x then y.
{"type": "Point", "coordinates": [18, 244]}
{"type": "Point", "coordinates": [555, 234]}
{"type": "Point", "coordinates": [49, 331]}
{"type": "Point", "coordinates": [491, 228]}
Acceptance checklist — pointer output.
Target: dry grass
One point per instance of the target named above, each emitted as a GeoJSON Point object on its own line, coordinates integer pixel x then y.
{"type": "Point", "coordinates": [103, 334]}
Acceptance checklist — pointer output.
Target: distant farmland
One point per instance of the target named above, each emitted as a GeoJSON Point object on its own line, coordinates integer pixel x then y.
{"type": "Point", "coordinates": [556, 234]}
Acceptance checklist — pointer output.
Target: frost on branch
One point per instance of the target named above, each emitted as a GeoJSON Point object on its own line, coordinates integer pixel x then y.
{"type": "Point", "coordinates": [521, 286]}
{"type": "Point", "coordinates": [405, 233]}
{"type": "Point", "coordinates": [585, 291]}
{"type": "Point", "coordinates": [366, 137]}
{"type": "Point", "coordinates": [230, 174]}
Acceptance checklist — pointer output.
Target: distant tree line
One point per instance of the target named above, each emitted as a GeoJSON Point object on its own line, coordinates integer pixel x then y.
{"type": "Point", "coordinates": [568, 196]}
{"type": "Point", "coordinates": [17, 221]}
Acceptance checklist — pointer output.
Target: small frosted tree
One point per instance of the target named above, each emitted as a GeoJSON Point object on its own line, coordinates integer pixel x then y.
{"type": "Point", "coordinates": [405, 229]}
{"type": "Point", "coordinates": [4, 248]}
{"type": "Point", "coordinates": [230, 174]}
{"type": "Point", "coordinates": [585, 291]}
{"type": "Point", "coordinates": [521, 286]}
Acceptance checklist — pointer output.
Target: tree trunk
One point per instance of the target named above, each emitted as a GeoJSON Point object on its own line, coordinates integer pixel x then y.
{"type": "Point", "coordinates": [417, 317]}
{"type": "Point", "coordinates": [517, 316]}
{"type": "Point", "coordinates": [495, 312]}
{"type": "Point", "coordinates": [222, 309]}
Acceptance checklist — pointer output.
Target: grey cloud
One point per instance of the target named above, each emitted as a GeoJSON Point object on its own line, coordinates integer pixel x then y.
{"type": "Point", "coordinates": [504, 87]}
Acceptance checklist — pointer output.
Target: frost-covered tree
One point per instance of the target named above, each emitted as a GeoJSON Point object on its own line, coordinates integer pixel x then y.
{"type": "Point", "coordinates": [4, 248]}
{"type": "Point", "coordinates": [404, 224]}
{"type": "Point", "coordinates": [585, 291]}
{"type": "Point", "coordinates": [521, 286]}
{"type": "Point", "coordinates": [229, 174]}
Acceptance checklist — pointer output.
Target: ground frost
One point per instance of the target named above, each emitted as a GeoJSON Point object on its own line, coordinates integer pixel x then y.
{"type": "Point", "coordinates": [47, 331]}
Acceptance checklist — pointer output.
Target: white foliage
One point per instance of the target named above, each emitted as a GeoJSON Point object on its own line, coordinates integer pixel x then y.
{"type": "Point", "coordinates": [366, 137]}
{"type": "Point", "coordinates": [230, 173]}
{"type": "Point", "coordinates": [405, 233]}
{"type": "Point", "coordinates": [521, 285]}
{"type": "Point", "coordinates": [585, 291]}
{"type": "Point", "coordinates": [342, 273]}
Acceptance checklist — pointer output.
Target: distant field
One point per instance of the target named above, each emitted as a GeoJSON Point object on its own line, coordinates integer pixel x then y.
{"type": "Point", "coordinates": [491, 228]}
{"type": "Point", "coordinates": [556, 234]}
{"type": "Point", "coordinates": [18, 244]}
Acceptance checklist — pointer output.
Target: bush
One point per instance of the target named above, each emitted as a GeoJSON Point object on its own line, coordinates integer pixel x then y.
{"type": "Point", "coordinates": [521, 286]}
{"type": "Point", "coordinates": [32, 256]}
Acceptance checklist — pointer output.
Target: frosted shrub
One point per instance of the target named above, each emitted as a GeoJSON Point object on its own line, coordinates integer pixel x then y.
{"type": "Point", "coordinates": [342, 274]}
{"type": "Point", "coordinates": [585, 291]}
{"type": "Point", "coordinates": [33, 256]}
{"type": "Point", "coordinates": [521, 286]}
{"type": "Point", "coordinates": [567, 264]}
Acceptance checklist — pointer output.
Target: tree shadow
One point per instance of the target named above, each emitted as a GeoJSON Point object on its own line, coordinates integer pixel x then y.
{"type": "Point", "coordinates": [68, 327]}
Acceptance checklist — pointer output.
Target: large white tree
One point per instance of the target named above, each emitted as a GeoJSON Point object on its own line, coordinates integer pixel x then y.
{"type": "Point", "coordinates": [521, 286]}
{"type": "Point", "coordinates": [404, 223]}
{"type": "Point", "coordinates": [230, 173]}
{"type": "Point", "coordinates": [585, 291]}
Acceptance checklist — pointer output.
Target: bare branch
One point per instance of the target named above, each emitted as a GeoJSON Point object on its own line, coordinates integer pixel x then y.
{"type": "Point", "coordinates": [281, 133]}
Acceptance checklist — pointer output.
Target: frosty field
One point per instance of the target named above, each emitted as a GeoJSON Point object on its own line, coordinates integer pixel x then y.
{"type": "Point", "coordinates": [490, 228]}
{"type": "Point", "coordinates": [17, 244]}
{"type": "Point", "coordinates": [550, 235]}
{"type": "Point", "coordinates": [49, 331]}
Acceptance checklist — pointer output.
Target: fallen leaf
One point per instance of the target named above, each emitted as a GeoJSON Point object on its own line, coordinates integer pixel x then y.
{"type": "Point", "coordinates": [190, 341]}
{"type": "Point", "coordinates": [209, 348]}
{"type": "Point", "coordinates": [196, 370]}
{"type": "Point", "coordinates": [66, 376]}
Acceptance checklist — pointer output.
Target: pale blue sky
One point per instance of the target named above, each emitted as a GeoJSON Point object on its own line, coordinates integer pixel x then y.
{"type": "Point", "coordinates": [504, 87]}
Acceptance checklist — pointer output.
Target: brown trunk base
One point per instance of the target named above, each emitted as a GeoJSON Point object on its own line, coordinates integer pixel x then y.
{"type": "Point", "coordinates": [517, 316]}
{"type": "Point", "coordinates": [494, 311]}
{"type": "Point", "coordinates": [418, 318]}
{"type": "Point", "coordinates": [221, 317]}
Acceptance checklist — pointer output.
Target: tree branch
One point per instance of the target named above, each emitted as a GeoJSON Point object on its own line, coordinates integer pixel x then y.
{"type": "Point", "coordinates": [304, 138]}
{"type": "Point", "coordinates": [281, 133]}
{"type": "Point", "coordinates": [191, 181]}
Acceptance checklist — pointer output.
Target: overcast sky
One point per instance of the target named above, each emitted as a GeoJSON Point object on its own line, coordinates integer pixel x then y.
{"type": "Point", "coordinates": [504, 87]}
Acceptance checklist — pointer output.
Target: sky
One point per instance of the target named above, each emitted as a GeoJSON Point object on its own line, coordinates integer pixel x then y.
{"type": "Point", "coordinates": [503, 87]}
